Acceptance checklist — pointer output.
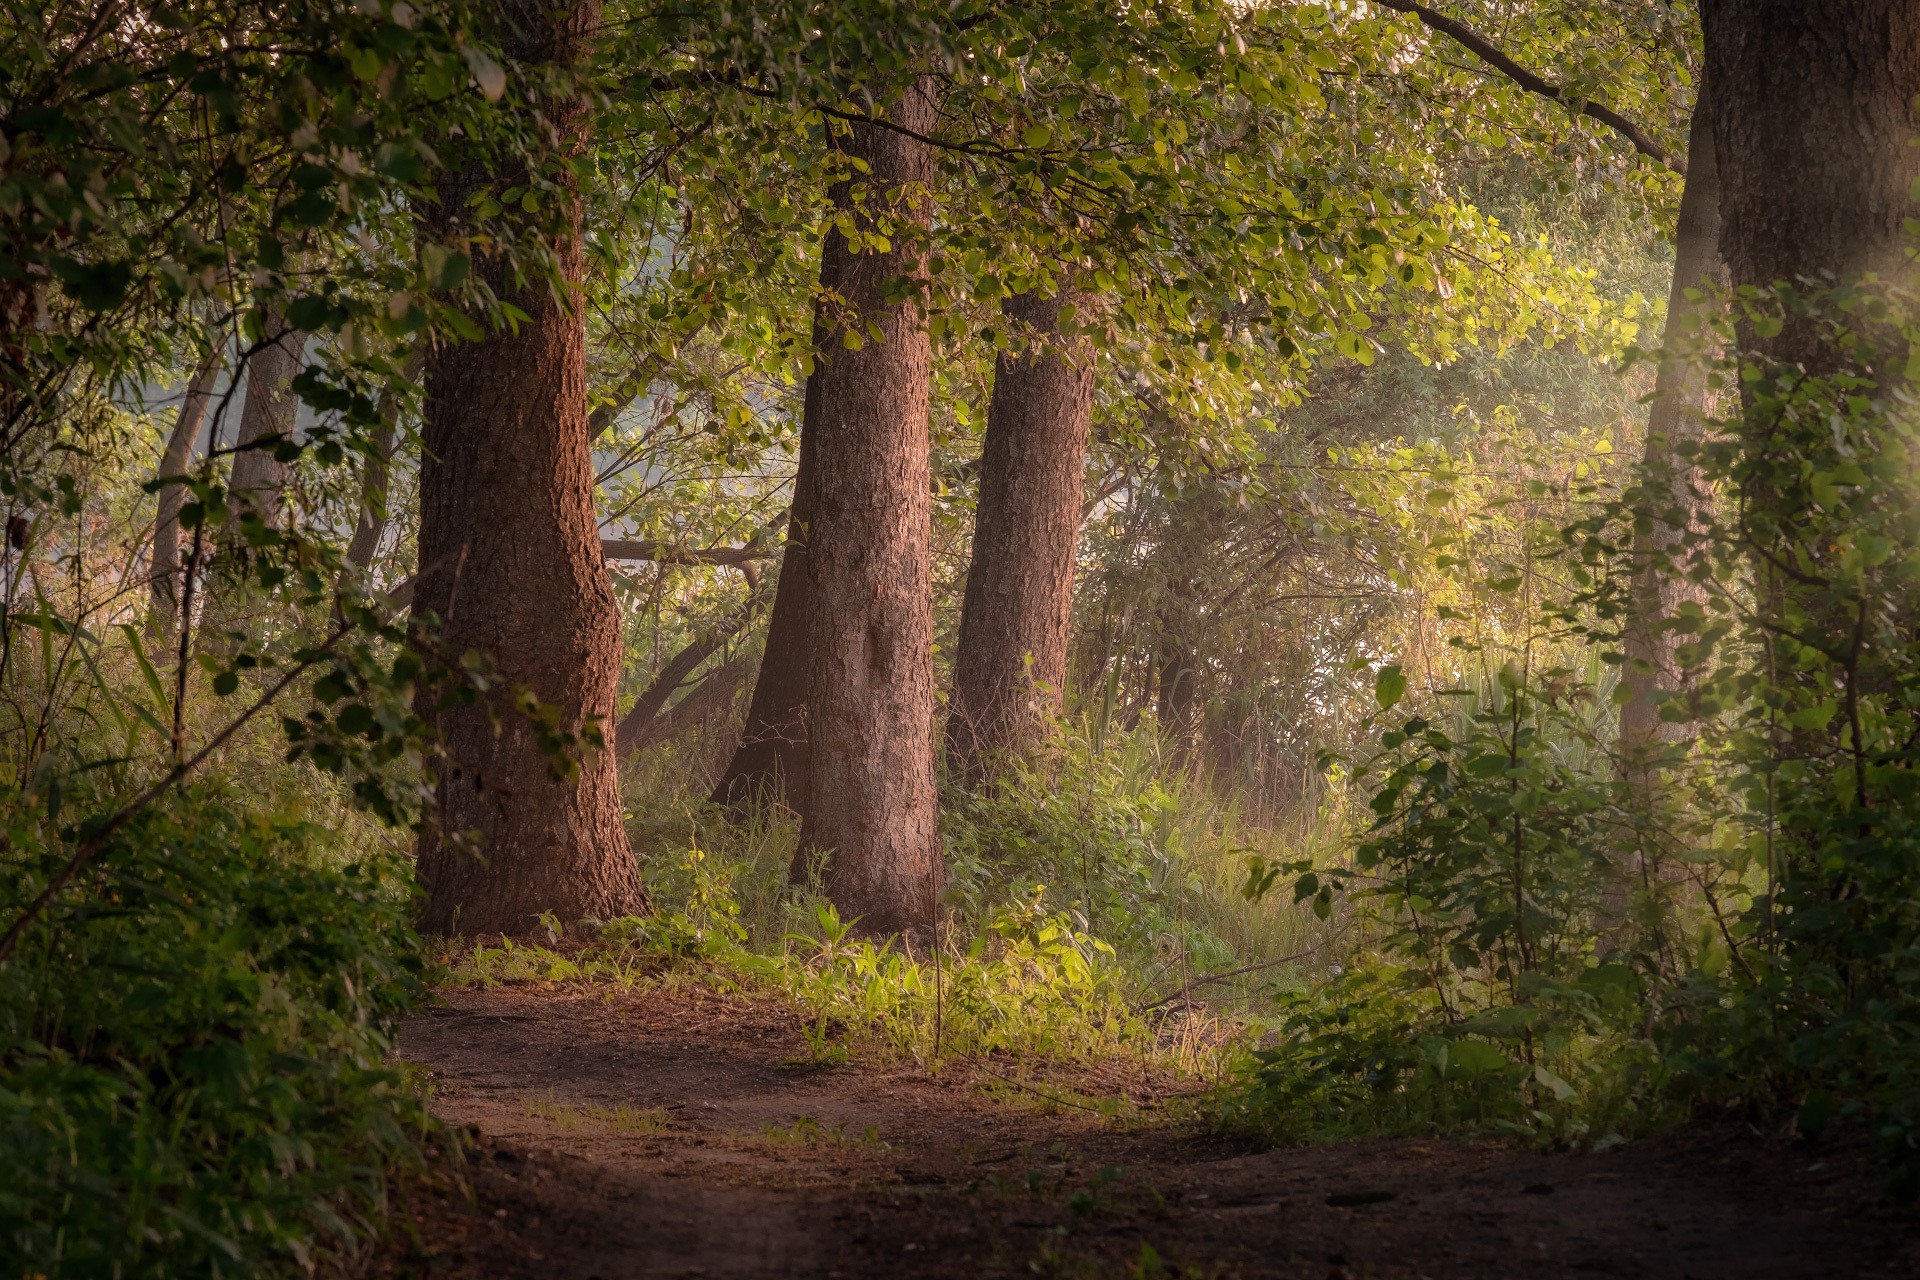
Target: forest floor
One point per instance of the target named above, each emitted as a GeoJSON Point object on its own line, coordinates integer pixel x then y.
{"type": "Point", "coordinates": [670, 1133]}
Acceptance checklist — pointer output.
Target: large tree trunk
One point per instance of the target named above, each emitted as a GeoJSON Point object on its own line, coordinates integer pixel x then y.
{"type": "Point", "coordinates": [1677, 419]}
{"type": "Point", "coordinates": [1812, 117]}
{"type": "Point", "coordinates": [164, 585]}
{"type": "Point", "coordinates": [510, 564]}
{"type": "Point", "coordinates": [1011, 664]}
{"type": "Point", "coordinates": [259, 480]}
{"type": "Point", "coordinates": [871, 808]}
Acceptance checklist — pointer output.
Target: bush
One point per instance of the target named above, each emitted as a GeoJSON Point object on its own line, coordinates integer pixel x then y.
{"type": "Point", "coordinates": [192, 1052]}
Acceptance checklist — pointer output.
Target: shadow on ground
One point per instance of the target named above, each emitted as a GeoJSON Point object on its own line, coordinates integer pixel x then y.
{"type": "Point", "coordinates": [663, 1134]}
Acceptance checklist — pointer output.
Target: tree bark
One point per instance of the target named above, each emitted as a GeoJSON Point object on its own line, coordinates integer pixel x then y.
{"type": "Point", "coordinates": [259, 480]}
{"type": "Point", "coordinates": [164, 587]}
{"type": "Point", "coordinates": [510, 564]}
{"type": "Point", "coordinates": [1812, 116]}
{"type": "Point", "coordinates": [871, 811]}
{"type": "Point", "coordinates": [1010, 666]}
{"type": "Point", "coordinates": [1676, 419]}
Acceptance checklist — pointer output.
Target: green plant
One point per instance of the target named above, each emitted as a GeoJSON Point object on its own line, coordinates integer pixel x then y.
{"type": "Point", "coordinates": [215, 1097]}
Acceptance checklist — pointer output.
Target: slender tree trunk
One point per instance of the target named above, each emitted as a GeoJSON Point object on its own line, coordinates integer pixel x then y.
{"type": "Point", "coordinates": [510, 566]}
{"type": "Point", "coordinates": [1011, 664]}
{"type": "Point", "coordinates": [371, 523]}
{"type": "Point", "coordinates": [770, 762]}
{"type": "Point", "coordinates": [1677, 419]}
{"type": "Point", "coordinates": [1812, 120]}
{"type": "Point", "coordinates": [871, 808]}
{"type": "Point", "coordinates": [259, 480]}
{"type": "Point", "coordinates": [164, 586]}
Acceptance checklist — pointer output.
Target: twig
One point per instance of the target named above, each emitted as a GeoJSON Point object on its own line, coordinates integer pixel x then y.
{"type": "Point", "coordinates": [1021, 1084]}
{"type": "Point", "coordinates": [1235, 973]}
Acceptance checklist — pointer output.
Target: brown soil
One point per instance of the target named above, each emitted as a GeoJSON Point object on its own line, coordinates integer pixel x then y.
{"type": "Point", "coordinates": [664, 1133]}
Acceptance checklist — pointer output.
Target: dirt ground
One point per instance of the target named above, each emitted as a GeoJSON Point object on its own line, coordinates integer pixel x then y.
{"type": "Point", "coordinates": [666, 1134]}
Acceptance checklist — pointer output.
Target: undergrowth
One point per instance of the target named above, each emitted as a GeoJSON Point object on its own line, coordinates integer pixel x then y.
{"type": "Point", "coordinates": [215, 1098]}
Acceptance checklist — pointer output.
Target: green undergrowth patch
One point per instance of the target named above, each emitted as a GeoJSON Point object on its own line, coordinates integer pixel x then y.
{"type": "Point", "coordinates": [194, 1074]}
{"type": "Point", "coordinates": [1028, 987]}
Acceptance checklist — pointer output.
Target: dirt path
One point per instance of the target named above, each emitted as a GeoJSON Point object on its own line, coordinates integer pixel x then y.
{"type": "Point", "coordinates": [661, 1134]}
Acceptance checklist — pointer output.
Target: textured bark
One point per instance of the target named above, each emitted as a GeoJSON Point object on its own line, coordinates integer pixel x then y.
{"type": "Point", "coordinates": [510, 564]}
{"type": "Point", "coordinates": [1011, 662]}
{"type": "Point", "coordinates": [259, 480]}
{"type": "Point", "coordinates": [1812, 115]}
{"type": "Point", "coordinates": [1676, 419]}
{"type": "Point", "coordinates": [871, 801]}
{"type": "Point", "coordinates": [174, 460]}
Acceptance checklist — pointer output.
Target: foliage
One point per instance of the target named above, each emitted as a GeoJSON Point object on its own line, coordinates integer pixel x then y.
{"type": "Point", "coordinates": [1797, 652]}
{"type": "Point", "coordinates": [1024, 984]}
{"type": "Point", "coordinates": [215, 1098]}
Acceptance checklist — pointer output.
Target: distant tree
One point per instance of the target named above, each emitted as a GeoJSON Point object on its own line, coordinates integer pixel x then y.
{"type": "Point", "coordinates": [1010, 666]}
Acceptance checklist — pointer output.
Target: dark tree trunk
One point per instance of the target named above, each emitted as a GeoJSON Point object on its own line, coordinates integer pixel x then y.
{"type": "Point", "coordinates": [510, 564]}
{"type": "Point", "coordinates": [871, 809]}
{"type": "Point", "coordinates": [259, 480]}
{"type": "Point", "coordinates": [1011, 663]}
{"type": "Point", "coordinates": [165, 583]}
{"type": "Point", "coordinates": [770, 762]}
{"type": "Point", "coordinates": [1812, 116]}
{"type": "Point", "coordinates": [1677, 418]}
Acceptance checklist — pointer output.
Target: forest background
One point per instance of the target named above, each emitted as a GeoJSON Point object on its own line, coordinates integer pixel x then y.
{"type": "Point", "coordinates": [1035, 533]}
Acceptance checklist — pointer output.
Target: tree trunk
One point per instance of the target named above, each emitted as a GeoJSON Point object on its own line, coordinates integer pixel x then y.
{"type": "Point", "coordinates": [1812, 117]}
{"type": "Point", "coordinates": [510, 565]}
{"type": "Point", "coordinates": [259, 480]}
{"type": "Point", "coordinates": [1011, 662]}
{"type": "Point", "coordinates": [871, 808]}
{"type": "Point", "coordinates": [770, 762]}
{"type": "Point", "coordinates": [370, 526]}
{"type": "Point", "coordinates": [164, 585]}
{"type": "Point", "coordinates": [1677, 418]}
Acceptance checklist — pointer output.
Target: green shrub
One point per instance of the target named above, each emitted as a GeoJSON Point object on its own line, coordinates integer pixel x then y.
{"type": "Point", "coordinates": [193, 1041]}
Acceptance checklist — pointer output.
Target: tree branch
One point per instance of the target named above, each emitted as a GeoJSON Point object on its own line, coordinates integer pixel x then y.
{"type": "Point", "coordinates": [1489, 53]}
{"type": "Point", "coordinates": [665, 553]}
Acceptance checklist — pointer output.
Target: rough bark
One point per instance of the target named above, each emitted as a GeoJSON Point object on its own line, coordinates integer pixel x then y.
{"type": "Point", "coordinates": [870, 819]}
{"type": "Point", "coordinates": [164, 586]}
{"type": "Point", "coordinates": [1676, 419]}
{"type": "Point", "coordinates": [510, 564]}
{"type": "Point", "coordinates": [1812, 116]}
{"type": "Point", "coordinates": [259, 480]}
{"type": "Point", "coordinates": [1010, 666]}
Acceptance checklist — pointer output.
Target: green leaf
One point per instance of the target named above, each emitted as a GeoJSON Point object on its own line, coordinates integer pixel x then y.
{"type": "Point", "coordinates": [1390, 685]}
